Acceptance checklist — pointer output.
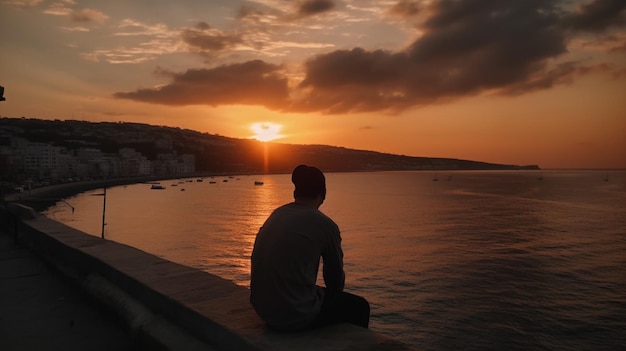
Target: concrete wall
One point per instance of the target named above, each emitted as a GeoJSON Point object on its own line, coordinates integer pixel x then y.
{"type": "Point", "coordinates": [166, 305]}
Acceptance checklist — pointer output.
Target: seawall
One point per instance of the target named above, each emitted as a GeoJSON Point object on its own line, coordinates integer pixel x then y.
{"type": "Point", "coordinates": [166, 305]}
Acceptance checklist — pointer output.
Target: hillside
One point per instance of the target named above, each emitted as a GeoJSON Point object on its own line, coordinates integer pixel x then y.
{"type": "Point", "coordinates": [215, 153]}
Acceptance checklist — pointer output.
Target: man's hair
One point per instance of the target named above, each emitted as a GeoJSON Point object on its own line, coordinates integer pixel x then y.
{"type": "Point", "coordinates": [309, 181]}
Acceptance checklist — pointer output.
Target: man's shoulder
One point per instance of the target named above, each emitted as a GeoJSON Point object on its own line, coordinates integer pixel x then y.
{"type": "Point", "coordinates": [309, 213]}
{"type": "Point", "coordinates": [327, 221]}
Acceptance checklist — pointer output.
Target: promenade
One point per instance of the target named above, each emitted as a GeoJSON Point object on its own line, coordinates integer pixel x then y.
{"type": "Point", "coordinates": [39, 310]}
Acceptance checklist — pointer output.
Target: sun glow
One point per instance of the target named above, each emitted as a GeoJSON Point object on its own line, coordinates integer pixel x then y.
{"type": "Point", "coordinates": [266, 131]}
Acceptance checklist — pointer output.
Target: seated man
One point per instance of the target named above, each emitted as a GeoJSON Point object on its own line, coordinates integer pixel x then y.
{"type": "Point", "coordinates": [285, 262]}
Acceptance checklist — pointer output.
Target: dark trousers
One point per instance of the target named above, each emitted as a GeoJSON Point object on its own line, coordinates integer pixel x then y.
{"type": "Point", "coordinates": [340, 306]}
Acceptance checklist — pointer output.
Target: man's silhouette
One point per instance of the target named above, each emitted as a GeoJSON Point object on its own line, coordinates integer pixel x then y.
{"type": "Point", "coordinates": [285, 262]}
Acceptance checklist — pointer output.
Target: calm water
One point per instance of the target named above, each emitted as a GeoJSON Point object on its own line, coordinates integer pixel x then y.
{"type": "Point", "coordinates": [474, 261]}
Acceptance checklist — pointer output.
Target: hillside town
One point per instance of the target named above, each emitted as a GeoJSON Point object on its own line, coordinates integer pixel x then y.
{"type": "Point", "coordinates": [27, 163]}
{"type": "Point", "coordinates": [36, 152]}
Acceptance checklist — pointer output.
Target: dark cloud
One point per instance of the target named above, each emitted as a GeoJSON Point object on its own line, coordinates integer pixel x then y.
{"type": "Point", "coordinates": [598, 15]}
{"type": "Point", "coordinates": [203, 26]}
{"type": "Point", "coordinates": [314, 7]}
{"type": "Point", "coordinates": [468, 47]}
{"type": "Point", "coordinates": [248, 12]}
{"type": "Point", "coordinates": [354, 80]}
{"type": "Point", "coordinates": [474, 45]}
{"type": "Point", "coordinates": [465, 48]}
{"type": "Point", "coordinates": [618, 48]}
{"type": "Point", "coordinates": [406, 8]}
{"type": "Point", "coordinates": [206, 39]}
{"type": "Point", "coordinates": [354, 67]}
{"type": "Point", "coordinates": [297, 11]}
{"type": "Point", "coordinates": [563, 73]}
{"type": "Point", "coordinates": [160, 71]}
{"type": "Point", "coordinates": [250, 83]}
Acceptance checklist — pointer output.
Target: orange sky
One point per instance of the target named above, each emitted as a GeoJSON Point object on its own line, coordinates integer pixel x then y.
{"type": "Point", "coordinates": [518, 82]}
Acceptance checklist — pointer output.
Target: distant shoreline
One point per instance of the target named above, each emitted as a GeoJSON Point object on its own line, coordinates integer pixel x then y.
{"type": "Point", "coordinates": [42, 198]}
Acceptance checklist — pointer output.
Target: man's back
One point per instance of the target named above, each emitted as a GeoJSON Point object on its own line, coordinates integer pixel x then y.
{"type": "Point", "coordinates": [285, 263]}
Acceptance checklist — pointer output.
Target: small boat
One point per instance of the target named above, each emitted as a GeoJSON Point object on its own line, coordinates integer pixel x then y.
{"type": "Point", "coordinates": [212, 182]}
{"type": "Point", "coordinates": [225, 180]}
{"type": "Point", "coordinates": [199, 180]}
{"type": "Point", "coordinates": [258, 182]}
{"type": "Point", "coordinates": [157, 187]}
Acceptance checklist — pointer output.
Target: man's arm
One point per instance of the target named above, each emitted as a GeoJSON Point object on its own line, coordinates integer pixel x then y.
{"type": "Point", "coordinates": [334, 277]}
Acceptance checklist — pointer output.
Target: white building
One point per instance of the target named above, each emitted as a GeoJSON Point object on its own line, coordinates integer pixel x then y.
{"type": "Point", "coordinates": [134, 163]}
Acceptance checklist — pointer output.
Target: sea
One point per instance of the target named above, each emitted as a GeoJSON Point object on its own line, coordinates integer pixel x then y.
{"type": "Point", "coordinates": [463, 260]}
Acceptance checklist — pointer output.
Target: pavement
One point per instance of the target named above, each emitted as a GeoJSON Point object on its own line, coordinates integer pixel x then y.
{"type": "Point", "coordinates": [39, 310]}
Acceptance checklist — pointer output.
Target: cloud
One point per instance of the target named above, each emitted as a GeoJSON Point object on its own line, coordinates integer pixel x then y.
{"type": "Point", "coordinates": [467, 47]}
{"type": "Point", "coordinates": [130, 27]}
{"type": "Point", "coordinates": [249, 12]}
{"type": "Point", "coordinates": [275, 12]}
{"type": "Point", "coordinates": [76, 29]}
{"type": "Point", "coordinates": [206, 39]}
{"type": "Point", "coordinates": [597, 16]}
{"type": "Point", "coordinates": [58, 10]}
{"type": "Point", "coordinates": [88, 15]}
{"type": "Point", "coordinates": [354, 80]}
{"type": "Point", "coordinates": [463, 48]}
{"type": "Point", "coordinates": [253, 83]}
{"type": "Point", "coordinates": [406, 8]}
{"type": "Point", "coordinates": [611, 42]}
{"type": "Point", "coordinates": [22, 3]}
{"type": "Point", "coordinates": [618, 48]}
{"type": "Point", "coordinates": [313, 7]}
{"type": "Point", "coordinates": [85, 15]}
{"type": "Point", "coordinates": [151, 41]}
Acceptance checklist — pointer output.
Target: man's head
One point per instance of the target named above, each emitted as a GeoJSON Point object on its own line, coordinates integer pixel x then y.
{"type": "Point", "coordinates": [309, 181]}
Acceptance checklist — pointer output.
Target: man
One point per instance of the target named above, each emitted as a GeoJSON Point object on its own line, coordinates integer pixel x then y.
{"type": "Point", "coordinates": [285, 262]}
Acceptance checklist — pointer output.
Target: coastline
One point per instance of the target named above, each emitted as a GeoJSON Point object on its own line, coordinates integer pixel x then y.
{"type": "Point", "coordinates": [44, 197]}
{"type": "Point", "coordinates": [39, 199]}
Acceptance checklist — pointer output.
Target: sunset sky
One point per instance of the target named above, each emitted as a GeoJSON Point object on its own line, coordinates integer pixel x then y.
{"type": "Point", "coordinates": [504, 81]}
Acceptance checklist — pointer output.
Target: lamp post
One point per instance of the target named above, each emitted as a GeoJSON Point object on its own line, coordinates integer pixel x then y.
{"type": "Point", "coordinates": [104, 207]}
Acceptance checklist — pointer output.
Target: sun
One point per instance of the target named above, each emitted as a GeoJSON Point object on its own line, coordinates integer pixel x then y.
{"type": "Point", "coordinates": [266, 131]}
